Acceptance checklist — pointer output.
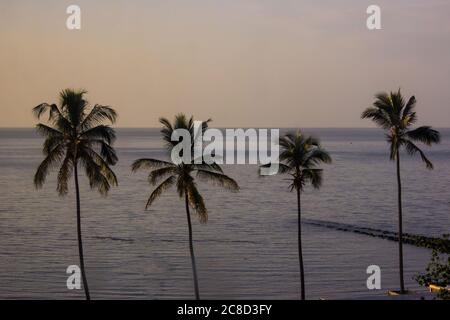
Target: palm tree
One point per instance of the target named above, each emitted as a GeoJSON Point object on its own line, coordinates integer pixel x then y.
{"type": "Point", "coordinates": [75, 136]}
{"type": "Point", "coordinates": [299, 157]}
{"type": "Point", "coordinates": [390, 112]}
{"type": "Point", "coordinates": [181, 176]}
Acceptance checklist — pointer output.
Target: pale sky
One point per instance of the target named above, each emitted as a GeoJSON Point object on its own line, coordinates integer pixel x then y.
{"type": "Point", "coordinates": [244, 63]}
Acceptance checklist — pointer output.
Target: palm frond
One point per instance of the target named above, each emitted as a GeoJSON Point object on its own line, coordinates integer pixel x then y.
{"type": "Point", "coordinates": [184, 180]}
{"type": "Point", "coordinates": [97, 115]}
{"type": "Point", "coordinates": [146, 163]}
{"type": "Point", "coordinates": [52, 159]}
{"type": "Point", "coordinates": [99, 174]}
{"type": "Point", "coordinates": [383, 100]}
{"type": "Point", "coordinates": [287, 142]}
{"type": "Point", "coordinates": [64, 174]}
{"type": "Point", "coordinates": [412, 149]}
{"type": "Point", "coordinates": [384, 103]}
{"type": "Point", "coordinates": [39, 110]}
{"type": "Point", "coordinates": [166, 184]}
{"type": "Point", "coordinates": [166, 123]}
{"type": "Point", "coordinates": [181, 122]}
{"type": "Point", "coordinates": [409, 117]}
{"type": "Point", "coordinates": [408, 120]}
{"type": "Point", "coordinates": [196, 201]}
{"type": "Point", "coordinates": [103, 132]}
{"type": "Point", "coordinates": [47, 131]}
{"type": "Point", "coordinates": [380, 117]}
{"type": "Point", "coordinates": [50, 143]}
{"type": "Point", "coordinates": [314, 176]}
{"type": "Point", "coordinates": [291, 157]}
{"type": "Point", "coordinates": [316, 156]}
{"type": "Point", "coordinates": [311, 141]}
{"type": "Point", "coordinates": [424, 134]}
{"type": "Point", "coordinates": [73, 105]}
{"type": "Point", "coordinates": [106, 151]}
{"type": "Point", "coordinates": [398, 103]}
{"type": "Point", "coordinates": [60, 122]}
{"type": "Point", "coordinates": [410, 106]}
{"type": "Point", "coordinates": [104, 167]}
{"type": "Point", "coordinates": [219, 179]}
{"type": "Point", "coordinates": [94, 174]}
{"type": "Point", "coordinates": [158, 174]}
{"type": "Point", "coordinates": [166, 131]}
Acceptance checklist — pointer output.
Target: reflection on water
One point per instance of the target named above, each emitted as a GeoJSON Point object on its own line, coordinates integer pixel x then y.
{"type": "Point", "coordinates": [248, 249]}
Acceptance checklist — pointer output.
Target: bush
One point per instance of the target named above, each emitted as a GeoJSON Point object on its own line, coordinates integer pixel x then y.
{"type": "Point", "coordinates": [438, 271]}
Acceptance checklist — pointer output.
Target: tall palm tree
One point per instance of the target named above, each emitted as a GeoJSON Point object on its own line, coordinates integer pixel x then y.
{"type": "Point", "coordinates": [182, 176]}
{"type": "Point", "coordinates": [390, 112]}
{"type": "Point", "coordinates": [299, 157]}
{"type": "Point", "coordinates": [75, 136]}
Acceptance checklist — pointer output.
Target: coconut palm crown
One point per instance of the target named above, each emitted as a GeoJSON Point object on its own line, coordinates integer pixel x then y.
{"type": "Point", "coordinates": [299, 157]}
{"type": "Point", "coordinates": [393, 114]}
{"type": "Point", "coordinates": [165, 174]}
{"type": "Point", "coordinates": [75, 136]}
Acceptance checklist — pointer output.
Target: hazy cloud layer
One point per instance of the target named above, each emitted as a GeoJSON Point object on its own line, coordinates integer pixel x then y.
{"type": "Point", "coordinates": [241, 62]}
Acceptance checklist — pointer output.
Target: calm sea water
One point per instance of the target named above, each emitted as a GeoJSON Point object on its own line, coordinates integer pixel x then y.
{"type": "Point", "coordinates": [247, 250]}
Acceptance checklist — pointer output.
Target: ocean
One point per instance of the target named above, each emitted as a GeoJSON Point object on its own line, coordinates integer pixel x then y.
{"type": "Point", "coordinates": [248, 248]}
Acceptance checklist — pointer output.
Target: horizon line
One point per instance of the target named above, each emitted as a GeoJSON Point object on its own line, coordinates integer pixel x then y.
{"type": "Point", "coordinates": [239, 127]}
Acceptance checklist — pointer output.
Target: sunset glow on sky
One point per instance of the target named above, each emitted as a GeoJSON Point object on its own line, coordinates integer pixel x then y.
{"type": "Point", "coordinates": [243, 63]}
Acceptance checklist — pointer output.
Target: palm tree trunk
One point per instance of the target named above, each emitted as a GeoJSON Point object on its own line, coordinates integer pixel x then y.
{"type": "Point", "coordinates": [80, 242]}
{"type": "Point", "coordinates": [191, 248]}
{"type": "Point", "coordinates": [400, 224]}
{"type": "Point", "coordinates": [300, 253]}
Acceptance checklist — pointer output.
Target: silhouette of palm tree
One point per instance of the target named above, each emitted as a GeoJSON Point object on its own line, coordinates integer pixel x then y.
{"type": "Point", "coordinates": [75, 136]}
{"type": "Point", "coordinates": [390, 112]}
{"type": "Point", "coordinates": [181, 176]}
{"type": "Point", "coordinates": [299, 157]}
